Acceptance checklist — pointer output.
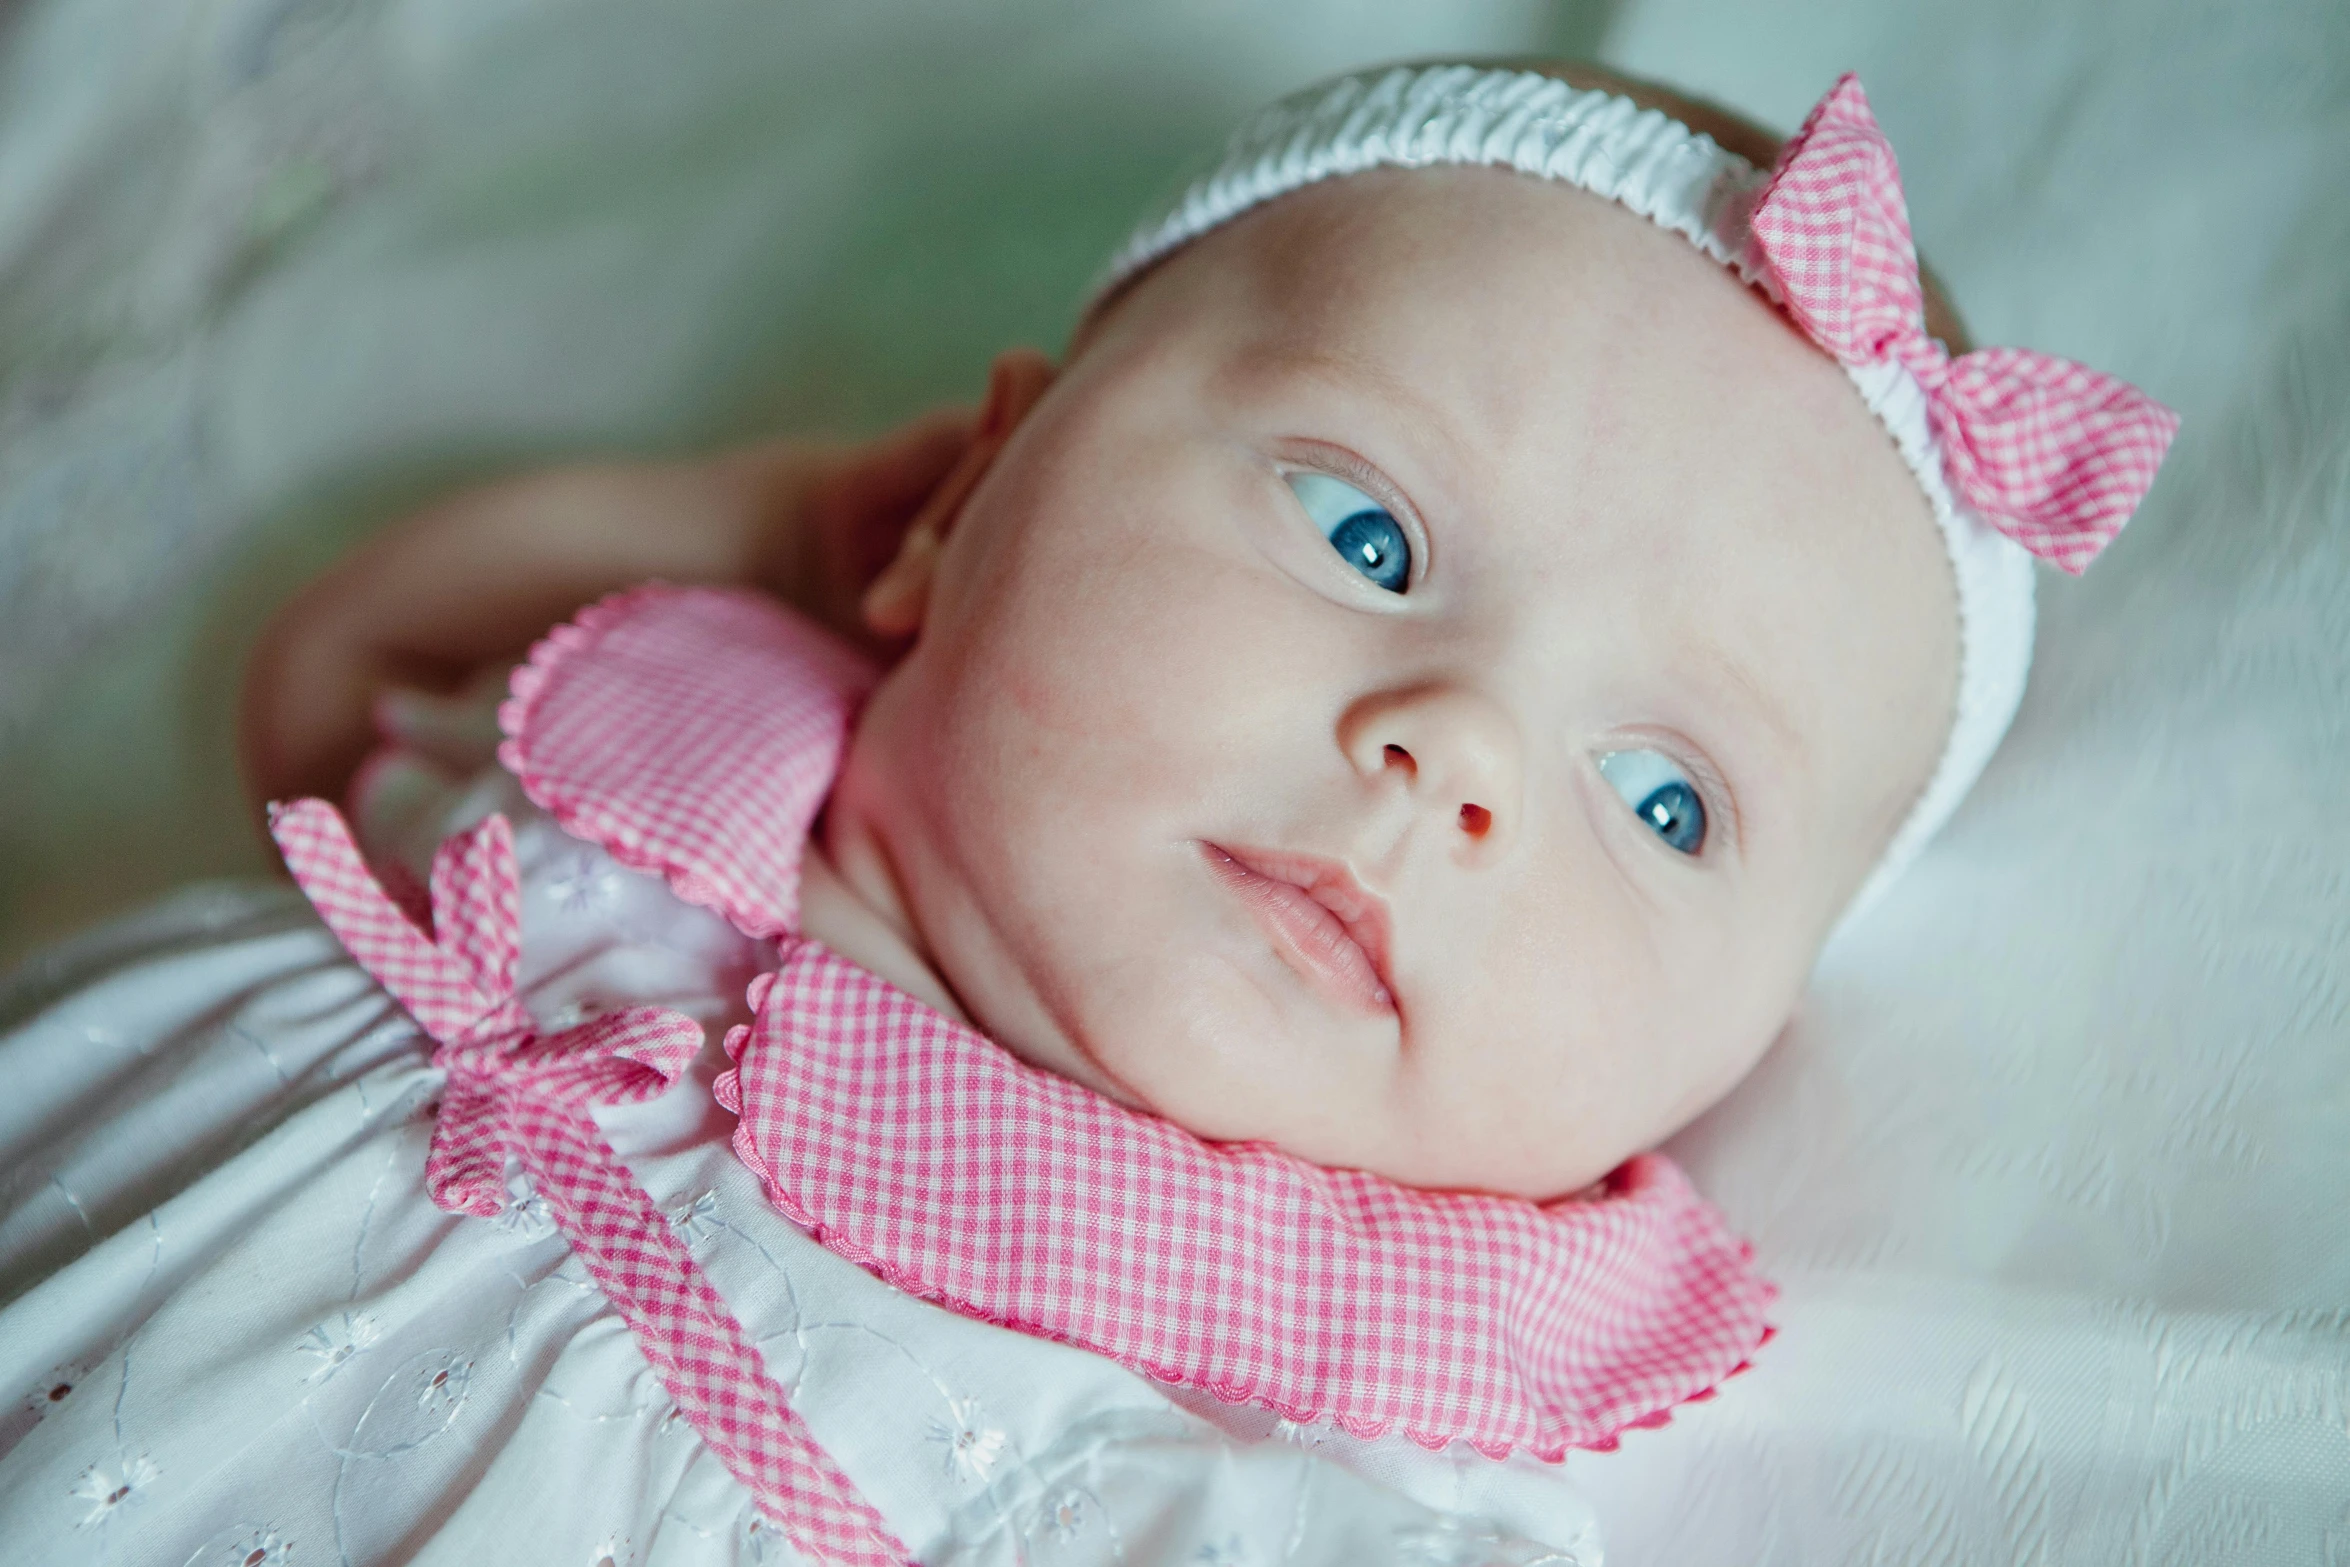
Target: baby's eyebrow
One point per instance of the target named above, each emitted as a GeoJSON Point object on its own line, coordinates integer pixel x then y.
{"type": "Point", "coordinates": [1363, 376]}
{"type": "Point", "coordinates": [1752, 702]}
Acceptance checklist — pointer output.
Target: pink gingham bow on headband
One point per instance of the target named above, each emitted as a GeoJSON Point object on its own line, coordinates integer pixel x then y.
{"type": "Point", "coordinates": [2053, 454]}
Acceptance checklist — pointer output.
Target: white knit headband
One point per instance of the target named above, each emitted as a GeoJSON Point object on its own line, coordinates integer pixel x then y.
{"type": "Point", "coordinates": [1650, 163]}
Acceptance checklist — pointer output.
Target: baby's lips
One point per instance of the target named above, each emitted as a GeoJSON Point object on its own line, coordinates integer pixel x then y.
{"type": "Point", "coordinates": [1325, 919]}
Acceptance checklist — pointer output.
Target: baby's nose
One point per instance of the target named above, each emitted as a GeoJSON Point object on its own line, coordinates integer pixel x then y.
{"type": "Point", "coordinates": [1453, 748]}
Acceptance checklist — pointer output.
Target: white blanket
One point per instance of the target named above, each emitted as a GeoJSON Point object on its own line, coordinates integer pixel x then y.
{"type": "Point", "coordinates": [2053, 1164]}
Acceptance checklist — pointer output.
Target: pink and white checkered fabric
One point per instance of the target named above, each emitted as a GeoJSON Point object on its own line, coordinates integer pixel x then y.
{"type": "Point", "coordinates": [698, 741]}
{"type": "Point", "coordinates": [922, 1150]}
{"type": "Point", "coordinates": [2053, 454]}
{"type": "Point", "coordinates": [513, 1090]}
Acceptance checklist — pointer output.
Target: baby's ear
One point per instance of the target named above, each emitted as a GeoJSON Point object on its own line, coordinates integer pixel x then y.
{"type": "Point", "coordinates": [1016, 383]}
{"type": "Point", "coordinates": [899, 598]}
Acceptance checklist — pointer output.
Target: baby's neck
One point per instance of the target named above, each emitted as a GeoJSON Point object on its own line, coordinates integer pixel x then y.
{"type": "Point", "coordinates": [849, 920]}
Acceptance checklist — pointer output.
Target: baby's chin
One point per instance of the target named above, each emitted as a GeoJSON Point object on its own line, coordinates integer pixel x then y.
{"type": "Point", "coordinates": [1224, 1063]}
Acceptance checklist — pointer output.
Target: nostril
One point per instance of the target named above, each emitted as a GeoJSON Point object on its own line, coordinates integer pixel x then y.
{"type": "Point", "coordinates": [1397, 756]}
{"type": "Point", "coordinates": [1476, 821]}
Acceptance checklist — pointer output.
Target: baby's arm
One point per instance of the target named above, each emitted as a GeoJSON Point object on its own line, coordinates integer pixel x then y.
{"type": "Point", "coordinates": [477, 578]}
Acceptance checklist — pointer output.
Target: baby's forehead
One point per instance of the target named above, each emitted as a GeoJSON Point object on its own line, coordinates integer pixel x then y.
{"type": "Point", "coordinates": [1528, 334]}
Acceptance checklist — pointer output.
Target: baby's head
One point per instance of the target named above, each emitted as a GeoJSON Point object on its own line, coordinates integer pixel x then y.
{"type": "Point", "coordinates": [1423, 680]}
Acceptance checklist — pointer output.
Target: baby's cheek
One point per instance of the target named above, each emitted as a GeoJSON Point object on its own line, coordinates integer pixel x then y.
{"type": "Point", "coordinates": [1144, 677]}
{"type": "Point", "coordinates": [1559, 1058]}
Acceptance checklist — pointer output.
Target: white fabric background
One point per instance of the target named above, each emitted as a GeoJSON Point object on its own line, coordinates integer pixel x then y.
{"type": "Point", "coordinates": [2055, 1162]}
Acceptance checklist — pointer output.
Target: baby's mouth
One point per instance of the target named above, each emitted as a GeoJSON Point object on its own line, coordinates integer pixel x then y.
{"type": "Point", "coordinates": [1322, 921]}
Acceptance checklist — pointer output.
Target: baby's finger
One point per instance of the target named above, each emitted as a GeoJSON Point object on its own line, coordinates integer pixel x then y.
{"type": "Point", "coordinates": [459, 729]}
{"type": "Point", "coordinates": [893, 475]}
{"type": "Point", "coordinates": [866, 504]}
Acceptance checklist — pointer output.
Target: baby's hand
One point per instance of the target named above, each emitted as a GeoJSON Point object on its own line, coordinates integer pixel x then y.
{"type": "Point", "coordinates": [474, 580]}
{"type": "Point", "coordinates": [856, 504]}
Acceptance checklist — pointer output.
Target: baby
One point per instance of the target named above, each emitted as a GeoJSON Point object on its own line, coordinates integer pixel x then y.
{"type": "Point", "coordinates": [1416, 687]}
{"type": "Point", "coordinates": [1491, 585]}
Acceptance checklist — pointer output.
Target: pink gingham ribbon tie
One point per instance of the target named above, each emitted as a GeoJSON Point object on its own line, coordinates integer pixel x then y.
{"type": "Point", "coordinates": [458, 983]}
{"type": "Point", "coordinates": [513, 1088]}
{"type": "Point", "coordinates": [2051, 453]}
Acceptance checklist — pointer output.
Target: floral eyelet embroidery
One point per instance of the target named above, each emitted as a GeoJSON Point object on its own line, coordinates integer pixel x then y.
{"type": "Point", "coordinates": [696, 1218]}
{"type": "Point", "coordinates": [442, 1389]}
{"type": "Point", "coordinates": [972, 1449]}
{"type": "Point", "coordinates": [55, 1389]}
{"type": "Point", "coordinates": [335, 1344]}
{"type": "Point", "coordinates": [109, 1487]}
{"type": "Point", "coordinates": [245, 1545]}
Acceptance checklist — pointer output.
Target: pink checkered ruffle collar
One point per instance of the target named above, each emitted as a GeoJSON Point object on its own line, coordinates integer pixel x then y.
{"type": "Point", "coordinates": [694, 734]}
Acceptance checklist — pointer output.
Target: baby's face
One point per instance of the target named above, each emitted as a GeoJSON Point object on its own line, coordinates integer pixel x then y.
{"type": "Point", "coordinates": [1415, 690]}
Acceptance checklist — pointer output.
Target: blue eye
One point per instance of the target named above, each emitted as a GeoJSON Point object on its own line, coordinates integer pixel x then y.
{"type": "Point", "coordinates": [1358, 527]}
{"type": "Point", "coordinates": [1660, 794]}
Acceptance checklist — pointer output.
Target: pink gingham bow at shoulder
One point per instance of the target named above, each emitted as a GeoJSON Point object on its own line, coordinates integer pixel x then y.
{"type": "Point", "coordinates": [457, 980]}
{"type": "Point", "coordinates": [515, 1088]}
{"type": "Point", "coordinates": [2053, 454]}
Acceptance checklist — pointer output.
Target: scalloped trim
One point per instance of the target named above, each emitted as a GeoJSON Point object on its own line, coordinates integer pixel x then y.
{"type": "Point", "coordinates": [527, 689]}
{"type": "Point", "coordinates": [727, 1090]}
